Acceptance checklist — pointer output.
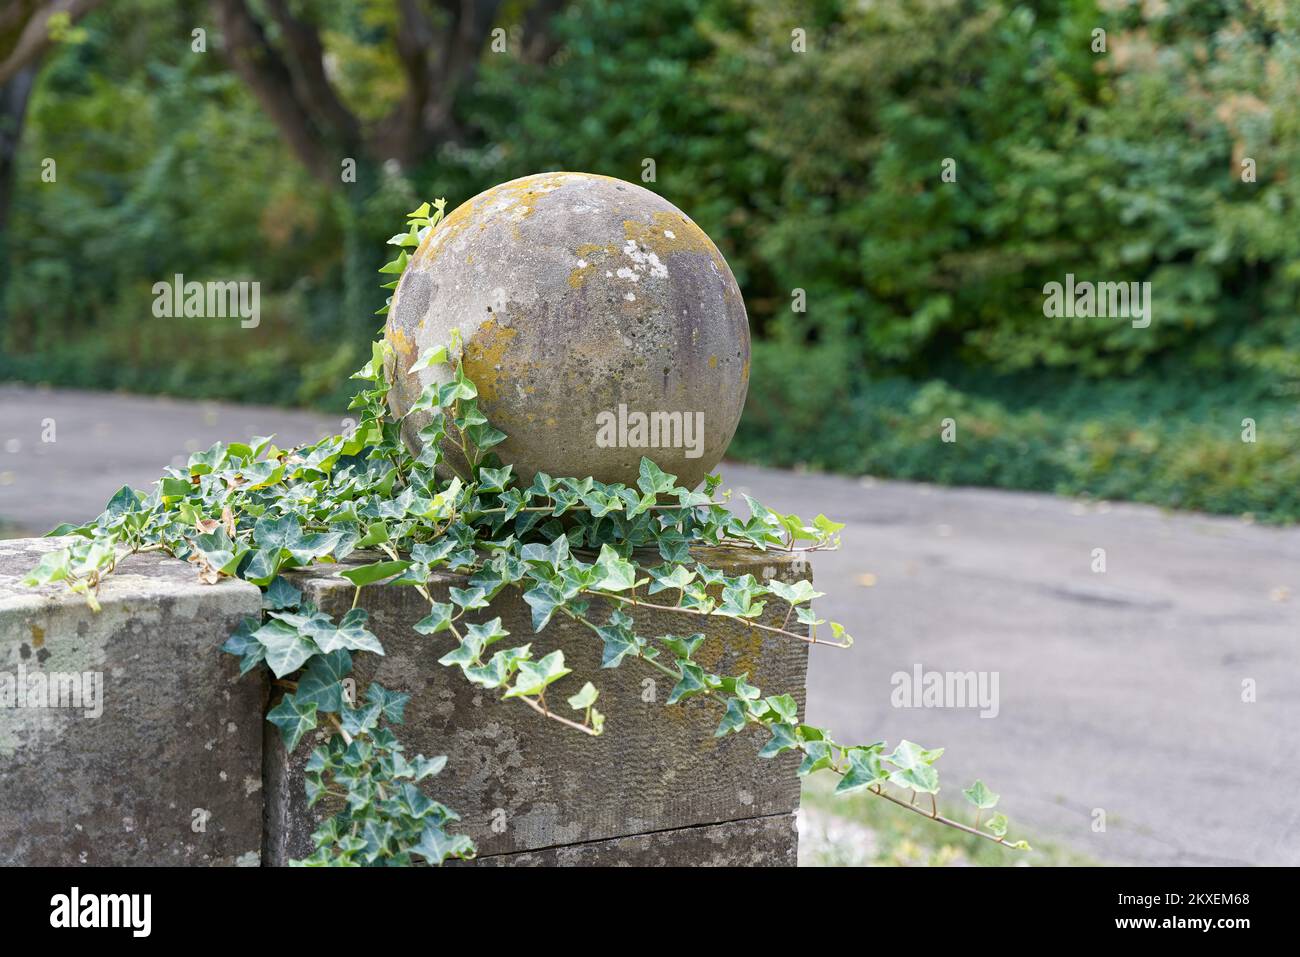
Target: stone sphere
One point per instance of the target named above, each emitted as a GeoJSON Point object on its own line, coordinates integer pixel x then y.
{"type": "Point", "coordinates": [599, 323]}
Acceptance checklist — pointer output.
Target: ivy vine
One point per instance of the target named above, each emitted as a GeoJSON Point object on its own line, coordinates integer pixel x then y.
{"type": "Point", "coordinates": [571, 546]}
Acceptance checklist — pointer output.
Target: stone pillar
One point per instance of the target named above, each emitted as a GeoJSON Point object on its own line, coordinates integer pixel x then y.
{"type": "Point", "coordinates": [656, 788]}
{"type": "Point", "coordinates": [164, 765]}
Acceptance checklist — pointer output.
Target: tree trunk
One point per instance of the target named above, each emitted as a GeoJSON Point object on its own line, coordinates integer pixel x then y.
{"type": "Point", "coordinates": [13, 109]}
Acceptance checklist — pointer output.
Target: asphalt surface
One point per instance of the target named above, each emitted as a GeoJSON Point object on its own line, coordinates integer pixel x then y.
{"type": "Point", "coordinates": [1120, 726]}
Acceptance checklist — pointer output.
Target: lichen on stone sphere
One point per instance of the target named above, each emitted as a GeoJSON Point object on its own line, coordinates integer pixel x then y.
{"type": "Point", "coordinates": [599, 323]}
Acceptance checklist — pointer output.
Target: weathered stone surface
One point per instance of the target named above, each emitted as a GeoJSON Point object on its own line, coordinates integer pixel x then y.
{"type": "Point", "coordinates": [179, 738]}
{"type": "Point", "coordinates": [752, 842]}
{"type": "Point", "coordinates": [576, 294]}
{"type": "Point", "coordinates": [656, 768]}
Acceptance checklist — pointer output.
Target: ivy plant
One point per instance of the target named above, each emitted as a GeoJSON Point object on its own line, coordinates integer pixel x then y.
{"type": "Point", "coordinates": [572, 547]}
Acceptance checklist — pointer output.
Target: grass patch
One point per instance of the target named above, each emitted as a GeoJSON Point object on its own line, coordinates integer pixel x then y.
{"type": "Point", "coordinates": [1225, 446]}
{"type": "Point", "coordinates": [859, 830]}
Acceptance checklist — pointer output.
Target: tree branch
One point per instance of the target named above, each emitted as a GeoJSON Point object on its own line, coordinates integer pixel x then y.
{"type": "Point", "coordinates": [264, 71]}
{"type": "Point", "coordinates": [462, 45]}
{"type": "Point", "coordinates": [306, 64]}
{"type": "Point", "coordinates": [25, 30]}
{"type": "Point", "coordinates": [540, 42]}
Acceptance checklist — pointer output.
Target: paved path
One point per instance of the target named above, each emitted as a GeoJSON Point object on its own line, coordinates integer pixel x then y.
{"type": "Point", "coordinates": [1118, 691]}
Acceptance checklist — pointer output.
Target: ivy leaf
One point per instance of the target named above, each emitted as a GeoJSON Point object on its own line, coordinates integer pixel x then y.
{"type": "Point", "coordinates": [464, 655]}
{"type": "Point", "coordinates": [740, 687]}
{"type": "Point", "coordinates": [54, 566]}
{"type": "Point", "coordinates": [286, 533]}
{"type": "Point", "coordinates": [817, 755]}
{"type": "Point", "coordinates": [469, 598]}
{"type": "Point", "coordinates": [391, 703]}
{"type": "Point", "coordinates": [398, 265]}
{"type": "Point", "coordinates": [432, 356]}
{"type": "Point", "coordinates": [785, 707]}
{"type": "Point", "coordinates": [241, 643]}
{"type": "Point", "coordinates": [735, 718]}
{"type": "Point", "coordinates": [692, 682]}
{"type": "Point", "coordinates": [438, 619]}
{"type": "Point", "coordinates": [221, 553]}
{"type": "Point", "coordinates": [826, 526]}
{"type": "Point", "coordinates": [350, 633]}
{"type": "Point", "coordinates": [782, 739]}
{"type": "Point", "coordinates": [864, 771]}
{"type": "Point", "coordinates": [585, 698]}
{"type": "Point", "coordinates": [997, 825]}
{"type": "Point", "coordinates": [979, 795]}
{"type": "Point", "coordinates": [921, 778]}
{"type": "Point", "coordinates": [682, 647]}
{"type": "Point", "coordinates": [620, 641]}
{"type": "Point", "coordinates": [909, 754]}
{"type": "Point", "coordinates": [286, 649]}
{"type": "Point", "coordinates": [806, 616]}
{"type": "Point", "coordinates": [280, 595]}
{"type": "Point", "coordinates": [436, 845]}
{"type": "Point", "coordinates": [376, 534]}
{"type": "Point", "coordinates": [494, 480]}
{"type": "Point", "coordinates": [615, 573]}
{"type": "Point", "coordinates": [175, 487]}
{"type": "Point", "coordinates": [322, 683]}
{"type": "Point", "coordinates": [796, 594]}
{"type": "Point", "coordinates": [369, 574]}
{"type": "Point", "coordinates": [653, 479]}
{"type": "Point", "coordinates": [360, 721]}
{"type": "Point", "coordinates": [552, 556]}
{"type": "Point", "coordinates": [535, 676]}
{"type": "Point", "coordinates": [423, 767]}
{"type": "Point", "coordinates": [486, 633]}
{"type": "Point", "coordinates": [678, 578]}
{"type": "Point", "coordinates": [293, 718]}
{"type": "Point", "coordinates": [263, 565]}
{"type": "Point", "coordinates": [543, 599]}
{"type": "Point", "coordinates": [484, 437]}
{"type": "Point", "coordinates": [499, 669]}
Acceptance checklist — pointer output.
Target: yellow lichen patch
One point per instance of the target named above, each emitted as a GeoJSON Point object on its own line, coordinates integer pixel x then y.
{"type": "Point", "coordinates": [579, 276]}
{"type": "Point", "coordinates": [745, 645]}
{"type": "Point", "coordinates": [38, 636]}
{"type": "Point", "coordinates": [666, 233]}
{"type": "Point", "coordinates": [517, 200]}
{"type": "Point", "coordinates": [485, 354]}
{"type": "Point", "coordinates": [586, 253]}
{"type": "Point", "coordinates": [670, 233]}
{"type": "Point", "coordinates": [401, 343]}
{"type": "Point", "coordinates": [713, 362]}
{"type": "Point", "coordinates": [441, 235]}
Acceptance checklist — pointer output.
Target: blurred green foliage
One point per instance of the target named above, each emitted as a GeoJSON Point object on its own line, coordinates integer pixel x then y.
{"type": "Point", "coordinates": [816, 171]}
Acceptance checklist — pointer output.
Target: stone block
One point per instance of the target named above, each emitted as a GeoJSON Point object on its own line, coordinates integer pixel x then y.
{"type": "Point", "coordinates": [750, 842]}
{"type": "Point", "coordinates": [528, 786]}
{"type": "Point", "coordinates": [164, 764]}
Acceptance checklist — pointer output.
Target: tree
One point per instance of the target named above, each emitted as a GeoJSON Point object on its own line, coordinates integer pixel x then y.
{"type": "Point", "coordinates": [437, 43]}
{"type": "Point", "coordinates": [27, 29]}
